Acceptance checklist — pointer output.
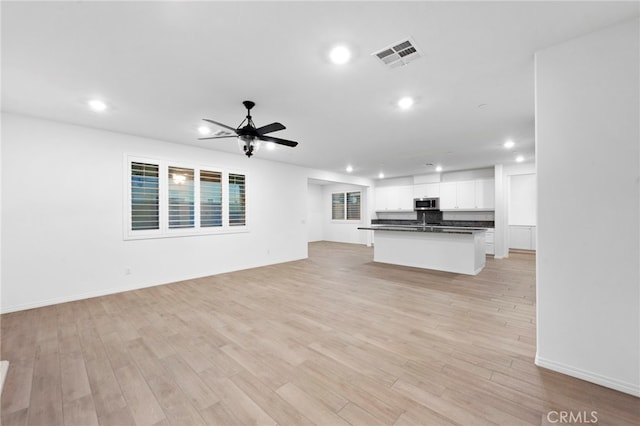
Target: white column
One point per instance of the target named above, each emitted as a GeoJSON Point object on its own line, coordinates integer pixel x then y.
{"type": "Point", "coordinates": [501, 243]}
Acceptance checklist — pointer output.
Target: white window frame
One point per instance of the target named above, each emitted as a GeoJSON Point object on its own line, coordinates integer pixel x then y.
{"type": "Point", "coordinates": [345, 207]}
{"type": "Point", "coordinates": [163, 193]}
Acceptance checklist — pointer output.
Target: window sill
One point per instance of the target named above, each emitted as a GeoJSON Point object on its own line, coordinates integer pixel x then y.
{"type": "Point", "coordinates": [180, 234]}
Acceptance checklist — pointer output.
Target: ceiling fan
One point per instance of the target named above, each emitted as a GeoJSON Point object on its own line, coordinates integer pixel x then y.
{"type": "Point", "coordinates": [249, 136]}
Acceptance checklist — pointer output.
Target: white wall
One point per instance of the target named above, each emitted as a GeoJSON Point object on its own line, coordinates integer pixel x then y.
{"type": "Point", "coordinates": [587, 147]}
{"type": "Point", "coordinates": [315, 215]}
{"type": "Point", "coordinates": [523, 203]}
{"type": "Point", "coordinates": [471, 174]}
{"type": "Point", "coordinates": [62, 216]}
{"type": "Point", "coordinates": [522, 211]}
{"type": "Point", "coordinates": [344, 231]}
{"type": "Point", "coordinates": [399, 181]}
{"type": "Point", "coordinates": [523, 200]}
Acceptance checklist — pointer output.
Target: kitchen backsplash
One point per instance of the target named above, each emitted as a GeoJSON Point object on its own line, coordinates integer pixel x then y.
{"type": "Point", "coordinates": [472, 219]}
{"type": "Point", "coordinates": [450, 216]}
{"type": "Point", "coordinates": [465, 216]}
{"type": "Point", "coordinates": [407, 215]}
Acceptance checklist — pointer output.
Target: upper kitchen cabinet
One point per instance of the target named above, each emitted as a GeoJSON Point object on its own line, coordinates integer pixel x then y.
{"type": "Point", "coordinates": [448, 199]}
{"type": "Point", "coordinates": [467, 195]}
{"type": "Point", "coordinates": [426, 190]}
{"type": "Point", "coordinates": [394, 198]}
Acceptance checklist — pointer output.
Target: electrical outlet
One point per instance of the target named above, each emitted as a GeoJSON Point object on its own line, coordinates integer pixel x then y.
{"type": "Point", "coordinates": [127, 271]}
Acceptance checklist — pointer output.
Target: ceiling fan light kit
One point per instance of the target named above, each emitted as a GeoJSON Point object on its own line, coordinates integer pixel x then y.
{"type": "Point", "coordinates": [249, 137]}
{"type": "Point", "coordinates": [248, 145]}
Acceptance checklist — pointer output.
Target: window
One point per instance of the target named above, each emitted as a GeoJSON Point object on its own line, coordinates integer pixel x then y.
{"type": "Point", "coordinates": [353, 206]}
{"type": "Point", "coordinates": [181, 199]}
{"type": "Point", "coordinates": [145, 209]}
{"type": "Point", "coordinates": [337, 206]}
{"type": "Point", "coordinates": [236, 200]}
{"type": "Point", "coordinates": [345, 205]}
{"type": "Point", "coordinates": [210, 199]}
{"type": "Point", "coordinates": [187, 200]}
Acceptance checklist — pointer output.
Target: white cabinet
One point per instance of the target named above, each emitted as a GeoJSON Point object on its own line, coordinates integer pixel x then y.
{"type": "Point", "coordinates": [426, 190]}
{"type": "Point", "coordinates": [467, 195]}
{"type": "Point", "coordinates": [448, 196]}
{"type": "Point", "coordinates": [404, 199]}
{"type": "Point", "coordinates": [382, 197]}
{"type": "Point", "coordinates": [522, 237]}
{"type": "Point", "coordinates": [489, 240]}
{"type": "Point", "coordinates": [394, 198]}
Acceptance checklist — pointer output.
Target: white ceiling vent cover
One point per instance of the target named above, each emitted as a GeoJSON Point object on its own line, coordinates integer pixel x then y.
{"type": "Point", "coordinates": [399, 53]}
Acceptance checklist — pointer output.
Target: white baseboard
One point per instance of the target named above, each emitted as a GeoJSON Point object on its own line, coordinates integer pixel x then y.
{"type": "Point", "coordinates": [619, 385]}
{"type": "Point", "coordinates": [114, 290]}
{"type": "Point", "coordinates": [72, 298]}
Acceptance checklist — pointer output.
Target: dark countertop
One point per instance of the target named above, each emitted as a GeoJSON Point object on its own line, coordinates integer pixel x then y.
{"type": "Point", "coordinates": [450, 223]}
{"type": "Point", "coordinates": [421, 228]}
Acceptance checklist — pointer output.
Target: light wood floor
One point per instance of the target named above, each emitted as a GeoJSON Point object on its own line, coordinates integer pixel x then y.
{"type": "Point", "coordinates": [335, 339]}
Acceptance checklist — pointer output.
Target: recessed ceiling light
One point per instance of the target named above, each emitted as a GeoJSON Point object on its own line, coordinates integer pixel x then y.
{"type": "Point", "coordinates": [509, 144]}
{"type": "Point", "coordinates": [405, 103]}
{"type": "Point", "coordinates": [519, 159]}
{"type": "Point", "coordinates": [349, 168]}
{"type": "Point", "coordinates": [340, 55]}
{"type": "Point", "coordinates": [204, 130]}
{"type": "Point", "coordinates": [438, 168]}
{"type": "Point", "coordinates": [380, 175]}
{"type": "Point", "coordinates": [97, 105]}
{"type": "Point", "coordinates": [270, 145]}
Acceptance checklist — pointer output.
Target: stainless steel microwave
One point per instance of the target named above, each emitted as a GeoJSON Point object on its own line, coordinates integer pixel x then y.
{"type": "Point", "coordinates": [420, 204]}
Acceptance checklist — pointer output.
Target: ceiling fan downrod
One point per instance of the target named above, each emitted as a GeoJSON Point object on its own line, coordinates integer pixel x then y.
{"type": "Point", "coordinates": [248, 105]}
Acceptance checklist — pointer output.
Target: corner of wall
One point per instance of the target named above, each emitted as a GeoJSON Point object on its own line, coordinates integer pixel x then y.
{"type": "Point", "coordinates": [588, 311]}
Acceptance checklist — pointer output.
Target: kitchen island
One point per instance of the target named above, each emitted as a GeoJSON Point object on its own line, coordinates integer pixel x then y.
{"type": "Point", "coordinates": [443, 248]}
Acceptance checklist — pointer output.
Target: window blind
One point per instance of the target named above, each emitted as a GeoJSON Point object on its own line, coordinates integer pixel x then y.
{"type": "Point", "coordinates": [210, 198]}
{"type": "Point", "coordinates": [145, 209]}
{"type": "Point", "coordinates": [337, 206]}
{"type": "Point", "coordinates": [237, 201]}
{"type": "Point", "coordinates": [181, 197]}
{"type": "Point", "coordinates": [353, 205]}
{"type": "Point", "coordinates": [167, 200]}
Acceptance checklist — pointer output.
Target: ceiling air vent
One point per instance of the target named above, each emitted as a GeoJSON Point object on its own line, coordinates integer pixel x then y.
{"type": "Point", "coordinates": [399, 53]}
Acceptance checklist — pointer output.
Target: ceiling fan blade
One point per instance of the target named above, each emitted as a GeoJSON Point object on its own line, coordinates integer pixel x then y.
{"type": "Point", "coordinates": [219, 124]}
{"type": "Point", "coordinates": [273, 127]}
{"type": "Point", "coordinates": [217, 137]}
{"type": "Point", "coordinates": [278, 141]}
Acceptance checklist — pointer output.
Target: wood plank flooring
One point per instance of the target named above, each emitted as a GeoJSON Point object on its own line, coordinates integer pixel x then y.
{"type": "Point", "coordinates": [335, 339]}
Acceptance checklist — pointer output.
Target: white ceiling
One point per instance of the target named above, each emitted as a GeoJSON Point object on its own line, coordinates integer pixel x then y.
{"type": "Point", "coordinates": [163, 66]}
